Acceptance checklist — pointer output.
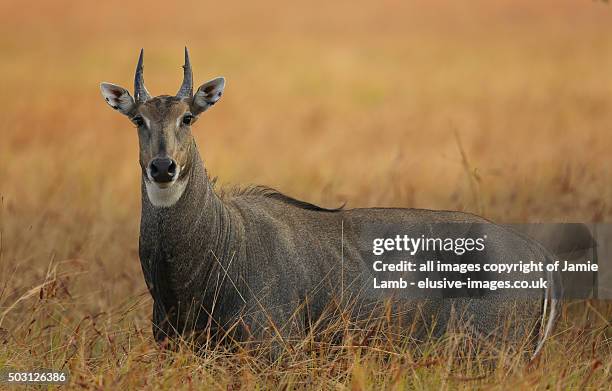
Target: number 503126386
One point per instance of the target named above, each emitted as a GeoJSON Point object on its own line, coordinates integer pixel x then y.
{"type": "Point", "coordinates": [38, 376]}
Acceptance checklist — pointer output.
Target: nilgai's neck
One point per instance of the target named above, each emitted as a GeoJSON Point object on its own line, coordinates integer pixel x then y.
{"type": "Point", "coordinates": [186, 242]}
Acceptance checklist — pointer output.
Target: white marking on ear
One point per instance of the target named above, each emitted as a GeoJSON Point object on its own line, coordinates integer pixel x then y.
{"type": "Point", "coordinates": [117, 97]}
{"type": "Point", "coordinates": [208, 94]}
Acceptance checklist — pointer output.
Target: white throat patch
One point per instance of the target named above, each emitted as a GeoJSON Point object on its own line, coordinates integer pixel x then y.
{"type": "Point", "coordinates": [165, 197]}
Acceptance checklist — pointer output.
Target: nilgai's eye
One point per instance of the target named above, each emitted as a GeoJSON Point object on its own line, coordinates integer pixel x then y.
{"type": "Point", "coordinates": [138, 120]}
{"type": "Point", "coordinates": [188, 119]}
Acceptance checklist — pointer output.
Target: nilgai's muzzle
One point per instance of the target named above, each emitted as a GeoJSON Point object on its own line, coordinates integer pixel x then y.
{"type": "Point", "coordinates": [163, 169]}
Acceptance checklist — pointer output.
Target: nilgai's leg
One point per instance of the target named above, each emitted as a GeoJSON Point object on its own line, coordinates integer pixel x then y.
{"type": "Point", "coordinates": [163, 332]}
{"type": "Point", "coordinates": [273, 324]}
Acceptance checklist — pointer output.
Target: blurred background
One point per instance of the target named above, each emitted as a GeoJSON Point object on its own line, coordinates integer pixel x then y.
{"type": "Point", "coordinates": [500, 108]}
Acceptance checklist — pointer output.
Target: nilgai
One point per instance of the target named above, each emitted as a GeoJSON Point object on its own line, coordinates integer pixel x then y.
{"type": "Point", "coordinates": [257, 263]}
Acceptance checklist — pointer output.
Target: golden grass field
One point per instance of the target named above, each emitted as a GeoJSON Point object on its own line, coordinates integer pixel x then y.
{"type": "Point", "coordinates": [366, 103]}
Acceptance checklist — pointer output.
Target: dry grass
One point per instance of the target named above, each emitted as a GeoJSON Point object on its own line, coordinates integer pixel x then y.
{"type": "Point", "coordinates": [327, 102]}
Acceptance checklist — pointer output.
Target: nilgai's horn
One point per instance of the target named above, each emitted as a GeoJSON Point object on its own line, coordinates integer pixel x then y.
{"type": "Point", "coordinates": [140, 91]}
{"type": "Point", "coordinates": [186, 90]}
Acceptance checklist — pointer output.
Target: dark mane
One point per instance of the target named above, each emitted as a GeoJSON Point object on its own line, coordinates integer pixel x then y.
{"type": "Point", "coordinates": [265, 191]}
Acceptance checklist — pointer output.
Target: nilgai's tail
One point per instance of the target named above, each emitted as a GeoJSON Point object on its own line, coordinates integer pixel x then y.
{"type": "Point", "coordinates": [552, 299]}
{"type": "Point", "coordinates": [572, 241]}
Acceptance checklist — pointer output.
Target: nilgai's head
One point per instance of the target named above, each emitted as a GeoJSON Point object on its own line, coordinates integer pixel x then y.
{"type": "Point", "coordinates": [164, 129]}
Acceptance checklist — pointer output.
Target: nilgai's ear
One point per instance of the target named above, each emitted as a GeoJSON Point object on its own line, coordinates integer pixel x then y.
{"type": "Point", "coordinates": [207, 95]}
{"type": "Point", "coordinates": [117, 97]}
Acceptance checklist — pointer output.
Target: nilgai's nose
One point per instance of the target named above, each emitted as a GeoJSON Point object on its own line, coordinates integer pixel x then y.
{"type": "Point", "coordinates": [162, 169]}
